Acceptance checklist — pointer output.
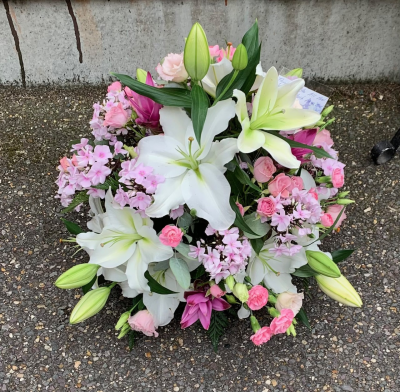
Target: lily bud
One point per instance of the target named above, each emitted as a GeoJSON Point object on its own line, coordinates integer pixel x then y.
{"type": "Point", "coordinates": [327, 110]}
{"type": "Point", "coordinates": [295, 72]}
{"type": "Point", "coordinates": [90, 304]}
{"type": "Point", "coordinates": [141, 75]}
{"type": "Point", "coordinates": [340, 290]}
{"type": "Point", "coordinates": [241, 292]}
{"type": "Point", "coordinates": [255, 325]}
{"type": "Point", "coordinates": [125, 329]}
{"type": "Point", "coordinates": [344, 202]}
{"type": "Point", "coordinates": [196, 56]}
{"type": "Point", "coordinates": [230, 281]}
{"type": "Point", "coordinates": [122, 320]}
{"type": "Point", "coordinates": [322, 263]}
{"type": "Point", "coordinates": [343, 194]}
{"type": "Point", "coordinates": [231, 299]}
{"type": "Point", "coordinates": [240, 59]}
{"type": "Point", "coordinates": [77, 276]}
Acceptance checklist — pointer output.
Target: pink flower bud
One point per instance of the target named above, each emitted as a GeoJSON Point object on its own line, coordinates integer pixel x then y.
{"type": "Point", "coordinates": [216, 291]}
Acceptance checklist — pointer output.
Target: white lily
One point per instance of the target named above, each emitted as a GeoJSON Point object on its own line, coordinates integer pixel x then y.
{"type": "Point", "coordinates": [126, 240]}
{"type": "Point", "coordinates": [272, 110]}
{"type": "Point", "coordinates": [194, 174]}
{"type": "Point", "coordinates": [215, 74]}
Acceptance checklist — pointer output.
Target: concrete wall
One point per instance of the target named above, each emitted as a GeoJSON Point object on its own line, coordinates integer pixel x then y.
{"type": "Point", "coordinates": [81, 41]}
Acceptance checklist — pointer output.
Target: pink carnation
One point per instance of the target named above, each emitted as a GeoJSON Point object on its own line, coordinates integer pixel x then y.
{"type": "Point", "coordinates": [172, 69]}
{"type": "Point", "coordinates": [282, 323]}
{"type": "Point", "coordinates": [264, 168]}
{"type": "Point", "coordinates": [171, 236]}
{"type": "Point", "coordinates": [258, 297]}
{"type": "Point", "coordinates": [281, 184]}
{"type": "Point", "coordinates": [262, 336]}
{"type": "Point", "coordinates": [143, 321]}
{"type": "Point", "coordinates": [266, 207]}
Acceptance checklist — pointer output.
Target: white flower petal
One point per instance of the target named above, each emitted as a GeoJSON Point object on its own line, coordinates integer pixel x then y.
{"type": "Point", "coordinates": [259, 78]}
{"type": "Point", "coordinates": [174, 122]}
{"type": "Point", "coordinates": [241, 105]}
{"type": "Point", "coordinates": [125, 219]}
{"type": "Point", "coordinates": [114, 274]}
{"type": "Point", "coordinates": [280, 151]}
{"type": "Point", "coordinates": [127, 292]}
{"type": "Point", "coordinates": [208, 192]}
{"type": "Point", "coordinates": [135, 269]}
{"type": "Point", "coordinates": [161, 307]}
{"type": "Point", "coordinates": [221, 153]}
{"type": "Point", "coordinates": [308, 180]}
{"type": "Point", "coordinates": [256, 270]}
{"type": "Point", "coordinates": [250, 140]}
{"type": "Point", "coordinates": [151, 247]}
{"type": "Point", "coordinates": [287, 93]}
{"type": "Point", "coordinates": [215, 74]}
{"type": "Point", "coordinates": [265, 98]}
{"type": "Point", "coordinates": [279, 284]}
{"type": "Point", "coordinates": [168, 196]}
{"type": "Point", "coordinates": [243, 312]}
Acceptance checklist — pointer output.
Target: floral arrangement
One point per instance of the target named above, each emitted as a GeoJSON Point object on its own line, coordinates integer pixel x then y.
{"type": "Point", "coordinates": [209, 187]}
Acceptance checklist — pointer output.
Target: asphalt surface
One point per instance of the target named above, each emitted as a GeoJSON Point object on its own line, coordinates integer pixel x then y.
{"type": "Point", "coordinates": [347, 350]}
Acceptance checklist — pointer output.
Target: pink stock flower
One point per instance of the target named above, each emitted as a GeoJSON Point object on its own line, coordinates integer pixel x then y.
{"type": "Point", "coordinates": [172, 69]}
{"type": "Point", "coordinates": [282, 323]}
{"type": "Point", "coordinates": [258, 297]}
{"type": "Point", "coordinates": [281, 184]}
{"type": "Point", "coordinates": [143, 321]}
{"type": "Point", "coordinates": [216, 291]}
{"type": "Point", "coordinates": [102, 154]}
{"type": "Point", "coordinates": [151, 182]}
{"type": "Point", "coordinates": [200, 307]}
{"type": "Point", "coordinates": [264, 168]}
{"type": "Point", "coordinates": [98, 173]}
{"type": "Point", "coordinates": [334, 211]}
{"type": "Point", "coordinates": [291, 301]}
{"type": "Point", "coordinates": [114, 87]}
{"type": "Point", "coordinates": [323, 137]}
{"type": "Point", "coordinates": [266, 207]}
{"type": "Point", "coordinates": [147, 110]}
{"type": "Point", "coordinates": [337, 177]}
{"type": "Point", "coordinates": [116, 117]}
{"type": "Point", "coordinates": [262, 336]}
{"type": "Point", "coordinates": [214, 50]}
{"type": "Point", "coordinates": [241, 209]}
{"type": "Point", "coordinates": [313, 193]}
{"type": "Point", "coordinates": [171, 236]}
{"type": "Point", "coordinates": [140, 201]}
{"type": "Point", "coordinates": [281, 220]}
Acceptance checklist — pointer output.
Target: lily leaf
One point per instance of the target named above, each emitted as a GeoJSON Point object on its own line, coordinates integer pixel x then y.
{"type": "Point", "coordinates": [156, 287]}
{"type": "Point", "coordinates": [199, 110]}
{"type": "Point", "coordinates": [302, 317]}
{"type": "Point", "coordinates": [341, 254]}
{"type": "Point", "coordinates": [72, 227]}
{"type": "Point", "coordinates": [304, 272]}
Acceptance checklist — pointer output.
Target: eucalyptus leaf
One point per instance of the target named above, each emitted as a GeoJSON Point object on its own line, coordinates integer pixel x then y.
{"type": "Point", "coordinates": [181, 271]}
{"type": "Point", "coordinates": [161, 266]}
{"type": "Point", "coordinates": [261, 229]}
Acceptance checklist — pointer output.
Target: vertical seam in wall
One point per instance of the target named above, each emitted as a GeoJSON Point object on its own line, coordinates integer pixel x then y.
{"type": "Point", "coordinates": [76, 28]}
{"type": "Point", "coordinates": [16, 40]}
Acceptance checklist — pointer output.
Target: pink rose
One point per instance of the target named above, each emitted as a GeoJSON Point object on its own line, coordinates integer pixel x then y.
{"type": "Point", "coordinates": [282, 323]}
{"type": "Point", "coordinates": [297, 182]}
{"type": "Point", "coordinates": [143, 321]}
{"type": "Point", "coordinates": [216, 291]}
{"type": "Point", "coordinates": [264, 168]}
{"type": "Point", "coordinates": [281, 184]}
{"type": "Point", "coordinates": [172, 68]}
{"type": "Point", "coordinates": [262, 336]}
{"type": "Point", "coordinates": [337, 177]}
{"type": "Point", "coordinates": [291, 301]}
{"type": "Point", "coordinates": [171, 236]}
{"type": "Point", "coordinates": [323, 137]}
{"type": "Point", "coordinates": [114, 87]}
{"type": "Point", "coordinates": [214, 50]}
{"type": "Point", "coordinates": [334, 211]}
{"type": "Point", "coordinates": [116, 117]}
{"type": "Point", "coordinates": [266, 207]}
{"type": "Point", "coordinates": [258, 297]}
{"type": "Point", "coordinates": [241, 209]}
{"type": "Point", "coordinates": [327, 220]}
{"type": "Point", "coordinates": [313, 193]}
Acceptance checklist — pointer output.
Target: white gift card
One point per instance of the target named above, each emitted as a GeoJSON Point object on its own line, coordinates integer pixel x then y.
{"type": "Point", "coordinates": [308, 99]}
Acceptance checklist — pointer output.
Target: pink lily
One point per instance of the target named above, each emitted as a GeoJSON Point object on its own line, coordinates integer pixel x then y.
{"type": "Point", "coordinates": [306, 136]}
{"type": "Point", "coordinates": [147, 110]}
{"type": "Point", "coordinates": [200, 307]}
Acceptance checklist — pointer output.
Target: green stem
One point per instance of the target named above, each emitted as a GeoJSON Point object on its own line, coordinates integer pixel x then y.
{"type": "Point", "coordinates": [235, 74]}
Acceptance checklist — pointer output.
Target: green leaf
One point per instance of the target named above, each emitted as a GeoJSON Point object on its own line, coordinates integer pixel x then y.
{"type": "Point", "coordinates": [302, 317]}
{"type": "Point", "coordinates": [236, 187]}
{"type": "Point", "coordinates": [244, 178]}
{"type": "Point", "coordinates": [198, 272]}
{"type": "Point", "coordinates": [304, 272]}
{"type": "Point", "coordinates": [199, 110]}
{"type": "Point", "coordinates": [255, 224]}
{"type": "Point", "coordinates": [250, 39]}
{"type": "Point", "coordinates": [87, 287]}
{"type": "Point", "coordinates": [341, 254]}
{"type": "Point", "coordinates": [110, 182]}
{"type": "Point", "coordinates": [318, 152]}
{"type": "Point", "coordinates": [156, 287]}
{"type": "Point", "coordinates": [181, 271]}
{"type": "Point", "coordinates": [161, 265]}
{"type": "Point", "coordinates": [239, 221]}
{"type": "Point", "coordinates": [185, 220]}
{"type": "Point", "coordinates": [165, 96]}
{"type": "Point", "coordinates": [218, 325]}
{"type": "Point", "coordinates": [131, 339]}
{"type": "Point", "coordinates": [257, 244]}
{"type": "Point", "coordinates": [72, 227]}
{"type": "Point", "coordinates": [81, 197]}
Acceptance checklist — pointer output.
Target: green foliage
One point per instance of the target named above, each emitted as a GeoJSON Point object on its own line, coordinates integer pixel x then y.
{"type": "Point", "coordinates": [199, 110]}
{"type": "Point", "coordinates": [257, 244]}
{"type": "Point", "coordinates": [87, 287]}
{"type": "Point", "coordinates": [72, 227]}
{"type": "Point", "coordinates": [80, 198]}
{"type": "Point", "coordinates": [198, 272]}
{"type": "Point", "coordinates": [131, 339]}
{"type": "Point", "coordinates": [156, 287]}
{"type": "Point", "coordinates": [218, 325]}
{"type": "Point", "coordinates": [110, 182]}
{"type": "Point", "coordinates": [341, 254]}
{"type": "Point", "coordinates": [181, 271]}
{"type": "Point", "coordinates": [304, 271]}
{"type": "Point", "coordinates": [302, 317]}
{"type": "Point", "coordinates": [239, 221]}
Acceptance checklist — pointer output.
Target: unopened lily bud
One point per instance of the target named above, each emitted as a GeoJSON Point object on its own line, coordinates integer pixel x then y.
{"type": "Point", "coordinates": [240, 59]}
{"type": "Point", "coordinates": [255, 325]}
{"type": "Point", "coordinates": [196, 56]}
{"type": "Point", "coordinates": [340, 290]}
{"type": "Point", "coordinates": [122, 320]}
{"type": "Point", "coordinates": [241, 292]}
{"type": "Point", "coordinates": [90, 304]}
{"type": "Point", "coordinates": [77, 276]}
{"type": "Point", "coordinates": [125, 329]}
{"type": "Point", "coordinates": [327, 110]}
{"type": "Point", "coordinates": [295, 72]}
{"type": "Point", "coordinates": [141, 75]}
{"type": "Point", "coordinates": [322, 263]}
{"type": "Point", "coordinates": [344, 202]}
{"type": "Point", "coordinates": [343, 194]}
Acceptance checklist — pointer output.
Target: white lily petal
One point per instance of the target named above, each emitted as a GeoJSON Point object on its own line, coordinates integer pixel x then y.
{"type": "Point", "coordinates": [265, 98]}
{"type": "Point", "coordinates": [250, 140]}
{"type": "Point", "coordinates": [127, 292]}
{"type": "Point", "coordinates": [161, 153]}
{"type": "Point", "coordinates": [221, 153]}
{"type": "Point", "coordinates": [243, 312]}
{"type": "Point", "coordinates": [161, 307]}
{"type": "Point", "coordinates": [114, 274]}
{"type": "Point", "coordinates": [151, 247]}
{"type": "Point", "coordinates": [95, 205]}
{"type": "Point", "coordinates": [259, 78]}
{"type": "Point", "coordinates": [96, 223]}
{"type": "Point", "coordinates": [241, 105]}
{"type": "Point", "coordinates": [279, 284]}
{"type": "Point", "coordinates": [256, 270]}
{"type": "Point", "coordinates": [217, 121]}
{"type": "Point", "coordinates": [308, 180]}
{"type": "Point", "coordinates": [215, 74]}
{"type": "Point", "coordinates": [280, 151]}
{"type": "Point", "coordinates": [135, 269]}
{"type": "Point", "coordinates": [168, 196]}
{"type": "Point", "coordinates": [208, 192]}
{"type": "Point", "coordinates": [288, 92]}
{"type": "Point", "coordinates": [174, 122]}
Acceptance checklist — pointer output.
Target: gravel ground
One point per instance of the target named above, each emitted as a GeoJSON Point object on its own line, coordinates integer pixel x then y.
{"type": "Point", "coordinates": [347, 350]}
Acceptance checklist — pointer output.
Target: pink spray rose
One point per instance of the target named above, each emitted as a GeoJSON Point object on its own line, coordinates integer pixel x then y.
{"type": "Point", "coordinates": [241, 208]}
{"type": "Point", "coordinates": [334, 211]}
{"type": "Point", "coordinates": [114, 87]}
{"type": "Point", "coordinates": [264, 168]}
{"type": "Point", "coordinates": [172, 69]}
{"type": "Point", "coordinates": [266, 207]}
{"type": "Point", "coordinates": [281, 184]}
{"type": "Point", "coordinates": [216, 291]}
{"type": "Point", "coordinates": [282, 323]}
{"type": "Point", "coordinates": [291, 301]}
{"type": "Point", "coordinates": [171, 236]}
{"type": "Point", "coordinates": [258, 297]}
{"type": "Point", "coordinates": [323, 137]}
{"type": "Point", "coordinates": [262, 336]}
{"type": "Point", "coordinates": [297, 182]}
{"type": "Point", "coordinates": [116, 117]}
{"type": "Point", "coordinates": [143, 321]}
{"type": "Point", "coordinates": [327, 220]}
{"type": "Point", "coordinates": [337, 177]}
